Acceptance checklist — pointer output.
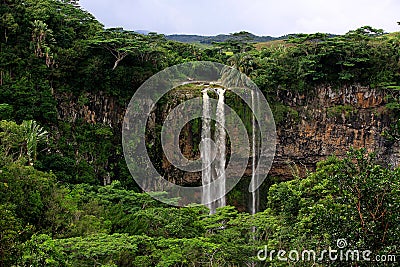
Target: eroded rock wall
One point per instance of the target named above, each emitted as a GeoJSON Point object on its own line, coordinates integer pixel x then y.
{"type": "Point", "coordinates": [328, 122]}
{"type": "Point", "coordinates": [324, 121]}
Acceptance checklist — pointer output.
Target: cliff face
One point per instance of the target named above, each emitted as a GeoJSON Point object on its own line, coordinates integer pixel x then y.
{"type": "Point", "coordinates": [91, 108]}
{"type": "Point", "coordinates": [328, 122]}
{"type": "Point", "coordinates": [323, 122]}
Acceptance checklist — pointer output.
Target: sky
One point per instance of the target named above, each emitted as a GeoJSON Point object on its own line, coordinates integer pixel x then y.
{"type": "Point", "coordinates": [261, 17]}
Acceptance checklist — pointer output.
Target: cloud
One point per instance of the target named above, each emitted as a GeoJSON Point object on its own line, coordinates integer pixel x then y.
{"type": "Point", "coordinates": [262, 17]}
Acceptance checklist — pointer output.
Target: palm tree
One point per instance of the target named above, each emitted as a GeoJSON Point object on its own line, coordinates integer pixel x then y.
{"type": "Point", "coordinates": [40, 33]}
{"type": "Point", "coordinates": [235, 75]}
{"type": "Point", "coordinates": [42, 36]}
{"type": "Point", "coordinates": [33, 134]}
{"type": "Point", "coordinates": [243, 62]}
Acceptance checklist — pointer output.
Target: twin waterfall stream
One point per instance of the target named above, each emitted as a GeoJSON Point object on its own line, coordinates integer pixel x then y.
{"type": "Point", "coordinates": [213, 154]}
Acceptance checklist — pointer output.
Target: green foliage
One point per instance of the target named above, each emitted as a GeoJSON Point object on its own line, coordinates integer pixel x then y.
{"type": "Point", "coordinates": [393, 134]}
{"type": "Point", "coordinates": [85, 153]}
{"type": "Point", "coordinates": [6, 112]}
{"type": "Point", "coordinates": [283, 113]}
{"type": "Point", "coordinates": [31, 99]}
{"type": "Point", "coordinates": [11, 228]}
{"type": "Point", "coordinates": [352, 198]}
{"type": "Point", "coordinates": [165, 222]}
{"type": "Point", "coordinates": [33, 134]}
{"type": "Point", "coordinates": [41, 250]}
{"type": "Point", "coordinates": [339, 110]}
{"type": "Point", "coordinates": [29, 190]}
{"type": "Point", "coordinates": [20, 142]}
{"type": "Point", "coordinates": [364, 56]}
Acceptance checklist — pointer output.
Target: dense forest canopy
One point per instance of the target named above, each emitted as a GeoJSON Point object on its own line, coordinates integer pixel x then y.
{"type": "Point", "coordinates": [67, 198]}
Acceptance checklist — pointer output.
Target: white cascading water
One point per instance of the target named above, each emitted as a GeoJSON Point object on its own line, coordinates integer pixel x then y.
{"type": "Point", "coordinates": [254, 194]}
{"type": "Point", "coordinates": [211, 171]}
{"type": "Point", "coordinates": [221, 147]}
{"type": "Point", "coordinates": [205, 150]}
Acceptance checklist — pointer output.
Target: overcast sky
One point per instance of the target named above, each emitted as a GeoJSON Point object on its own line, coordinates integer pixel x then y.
{"type": "Point", "coordinates": [261, 17]}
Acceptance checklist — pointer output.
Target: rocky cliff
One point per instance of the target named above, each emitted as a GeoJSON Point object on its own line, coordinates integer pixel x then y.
{"type": "Point", "coordinates": [322, 122]}
{"type": "Point", "coordinates": [328, 122]}
{"type": "Point", "coordinates": [91, 108]}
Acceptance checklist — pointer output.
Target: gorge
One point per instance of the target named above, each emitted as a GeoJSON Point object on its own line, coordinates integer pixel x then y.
{"type": "Point", "coordinates": [326, 121]}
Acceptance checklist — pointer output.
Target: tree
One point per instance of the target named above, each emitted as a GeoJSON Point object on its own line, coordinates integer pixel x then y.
{"type": "Point", "coordinates": [33, 135]}
{"type": "Point", "coordinates": [20, 141]}
{"type": "Point", "coordinates": [118, 42]}
{"type": "Point", "coordinates": [11, 144]}
{"type": "Point", "coordinates": [9, 25]}
{"type": "Point", "coordinates": [10, 229]}
{"type": "Point", "coordinates": [242, 62]}
{"type": "Point", "coordinates": [352, 198]}
{"type": "Point", "coordinates": [240, 65]}
{"type": "Point", "coordinates": [42, 38]}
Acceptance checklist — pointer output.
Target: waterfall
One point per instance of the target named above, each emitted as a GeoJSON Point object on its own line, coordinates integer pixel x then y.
{"type": "Point", "coordinates": [213, 171]}
{"type": "Point", "coordinates": [213, 155]}
{"type": "Point", "coordinates": [254, 176]}
{"type": "Point", "coordinates": [205, 150]}
{"type": "Point", "coordinates": [221, 147]}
